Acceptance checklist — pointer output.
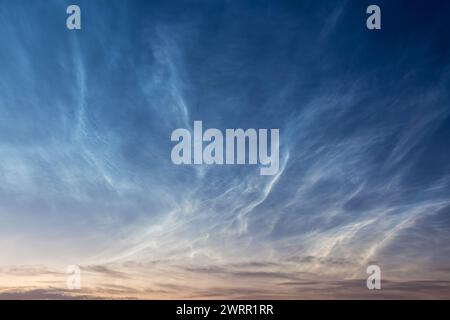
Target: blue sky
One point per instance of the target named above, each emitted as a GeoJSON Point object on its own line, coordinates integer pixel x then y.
{"type": "Point", "coordinates": [85, 124]}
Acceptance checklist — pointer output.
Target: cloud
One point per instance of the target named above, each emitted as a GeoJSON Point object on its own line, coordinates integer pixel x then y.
{"type": "Point", "coordinates": [85, 123]}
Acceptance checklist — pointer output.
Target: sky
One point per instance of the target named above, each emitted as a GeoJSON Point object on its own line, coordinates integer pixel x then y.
{"type": "Point", "coordinates": [86, 176]}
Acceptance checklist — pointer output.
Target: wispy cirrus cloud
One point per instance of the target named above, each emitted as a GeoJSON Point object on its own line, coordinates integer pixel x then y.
{"type": "Point", "coordinates": [85, 123]}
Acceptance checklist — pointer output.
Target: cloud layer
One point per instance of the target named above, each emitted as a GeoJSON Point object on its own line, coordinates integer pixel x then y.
{"type": "Point", "coordinates": [85, 124]}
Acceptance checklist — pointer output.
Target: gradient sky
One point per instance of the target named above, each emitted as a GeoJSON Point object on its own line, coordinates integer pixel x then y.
{"type": "Point", "coordinates": [86, 176]}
